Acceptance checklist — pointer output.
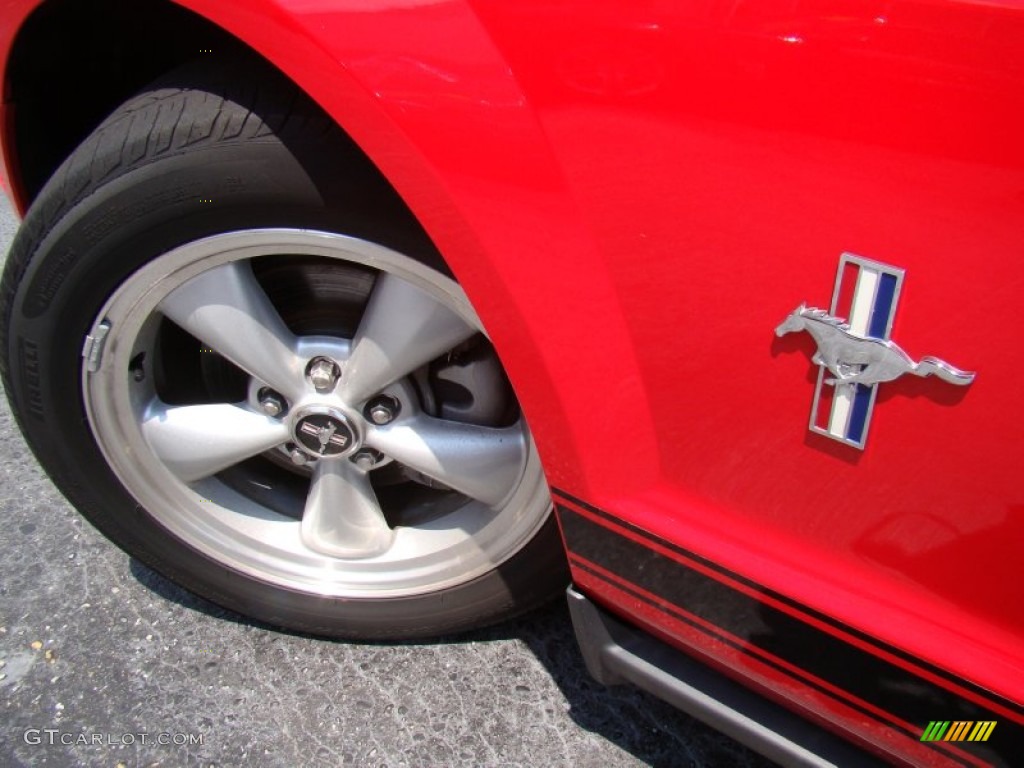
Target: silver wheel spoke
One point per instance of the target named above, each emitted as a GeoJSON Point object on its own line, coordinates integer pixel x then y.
{"type": "Point", "coordinates": [402, 329]}
{"type": "Point", "coordinates": [196, 441]}
{"type": "Point", "coordinates": [484, 463]}
{"type": "Point", "coordinates": [227, 310]}
{"type": "Point", "coordinates": [342, 517]}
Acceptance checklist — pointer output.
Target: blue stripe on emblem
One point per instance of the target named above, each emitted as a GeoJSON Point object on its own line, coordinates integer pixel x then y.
{"type": "Point", "coordinates": [859, 413]}
{"type": "Point", "coordinates": [883, 306]}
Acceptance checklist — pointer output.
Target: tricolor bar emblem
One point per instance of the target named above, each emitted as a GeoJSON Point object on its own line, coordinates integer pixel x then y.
{"type": "Point", "coordinates": [866, 293]}
{"type": "Point", "coordinates": [856, 355]}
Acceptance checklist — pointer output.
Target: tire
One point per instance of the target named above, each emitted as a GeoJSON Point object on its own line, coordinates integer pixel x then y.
{"type": "Point", "coordinates": [286, 404]}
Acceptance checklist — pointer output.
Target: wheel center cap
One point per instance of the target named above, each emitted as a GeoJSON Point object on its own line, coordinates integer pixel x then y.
{"type": "Point", "coordinates": [325, 433]}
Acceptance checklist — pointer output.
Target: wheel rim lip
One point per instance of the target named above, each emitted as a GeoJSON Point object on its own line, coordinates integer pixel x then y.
{"type": "Point", "coordinates": [425, 558]}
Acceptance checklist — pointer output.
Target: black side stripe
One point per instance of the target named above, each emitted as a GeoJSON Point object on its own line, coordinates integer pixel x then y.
{"type": "Point", "coordinates": [726, 640]}
{"type": "Point", "coordinates": [983, 693]}
{"type": "Point", "coordinates": [880, 683]}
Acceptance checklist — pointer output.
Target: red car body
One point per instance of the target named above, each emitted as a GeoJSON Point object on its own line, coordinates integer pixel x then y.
{"type": "Point", "coordinates": [634, 195]}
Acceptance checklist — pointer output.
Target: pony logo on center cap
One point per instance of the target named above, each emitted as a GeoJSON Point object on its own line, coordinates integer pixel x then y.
{"type": "Point", "coordinates": [856, 355]}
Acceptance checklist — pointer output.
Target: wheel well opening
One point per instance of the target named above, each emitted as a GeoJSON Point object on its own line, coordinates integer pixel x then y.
{"type": "Point", "coordinates": [73, 62]}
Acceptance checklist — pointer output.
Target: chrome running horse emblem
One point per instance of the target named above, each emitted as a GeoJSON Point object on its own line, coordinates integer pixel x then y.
{"type": "Point", "coordinates": [858, 354]}
{"type": "Point", "coordinates": [853, 359]}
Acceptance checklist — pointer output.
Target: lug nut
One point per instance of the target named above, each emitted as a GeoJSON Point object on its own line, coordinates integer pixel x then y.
{"type": "Point", "coordinates": [324, 374]}
{"type": "Point", "coordinates": [271, 403]}
{"type": "Point", "coordinates": [298, 457]}
{"type": "Point", "coordinates": [381, 414]}
{"type": "Point", "coordinates": [382, 410]}
{"type": "Point", "coordinates": [366, 459]}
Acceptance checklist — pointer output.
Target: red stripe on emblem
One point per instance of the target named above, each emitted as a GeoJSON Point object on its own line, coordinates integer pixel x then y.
{"type": "Point", "coordinates": [847, 286]}
{"type": "Point", "coordinates": [826, 394]}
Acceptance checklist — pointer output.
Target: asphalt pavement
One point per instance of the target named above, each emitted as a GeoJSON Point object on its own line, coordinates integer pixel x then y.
{"type": "Point", "coordinates": [105, 663]}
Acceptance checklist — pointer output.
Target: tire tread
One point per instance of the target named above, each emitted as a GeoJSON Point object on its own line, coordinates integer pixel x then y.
{"type": "Point", "coordinates": [154, 123]}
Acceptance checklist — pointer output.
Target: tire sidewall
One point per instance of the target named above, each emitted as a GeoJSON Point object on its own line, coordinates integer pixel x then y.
{"type": "Point", "coordinates": [72, 271]}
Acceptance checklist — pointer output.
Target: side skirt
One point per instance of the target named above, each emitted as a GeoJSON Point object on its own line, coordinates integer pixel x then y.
{"type": "Point", "coordinates": [616, 653]}
{"type": "Point", "coordinates": [883, 699]}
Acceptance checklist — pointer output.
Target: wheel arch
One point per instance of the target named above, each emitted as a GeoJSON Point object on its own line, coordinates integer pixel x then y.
{"type": "Point", "coordinates": [426, 94]}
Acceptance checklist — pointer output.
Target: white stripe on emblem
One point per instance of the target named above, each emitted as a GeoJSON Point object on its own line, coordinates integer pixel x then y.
{"type": "Point", "coordinates": [863, 301]}
{"type": "Point", "coordinates": [859, 320]}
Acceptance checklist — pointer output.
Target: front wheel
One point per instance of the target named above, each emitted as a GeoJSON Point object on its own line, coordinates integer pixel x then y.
{"type": "Point", "coordinates": [308, 427]}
